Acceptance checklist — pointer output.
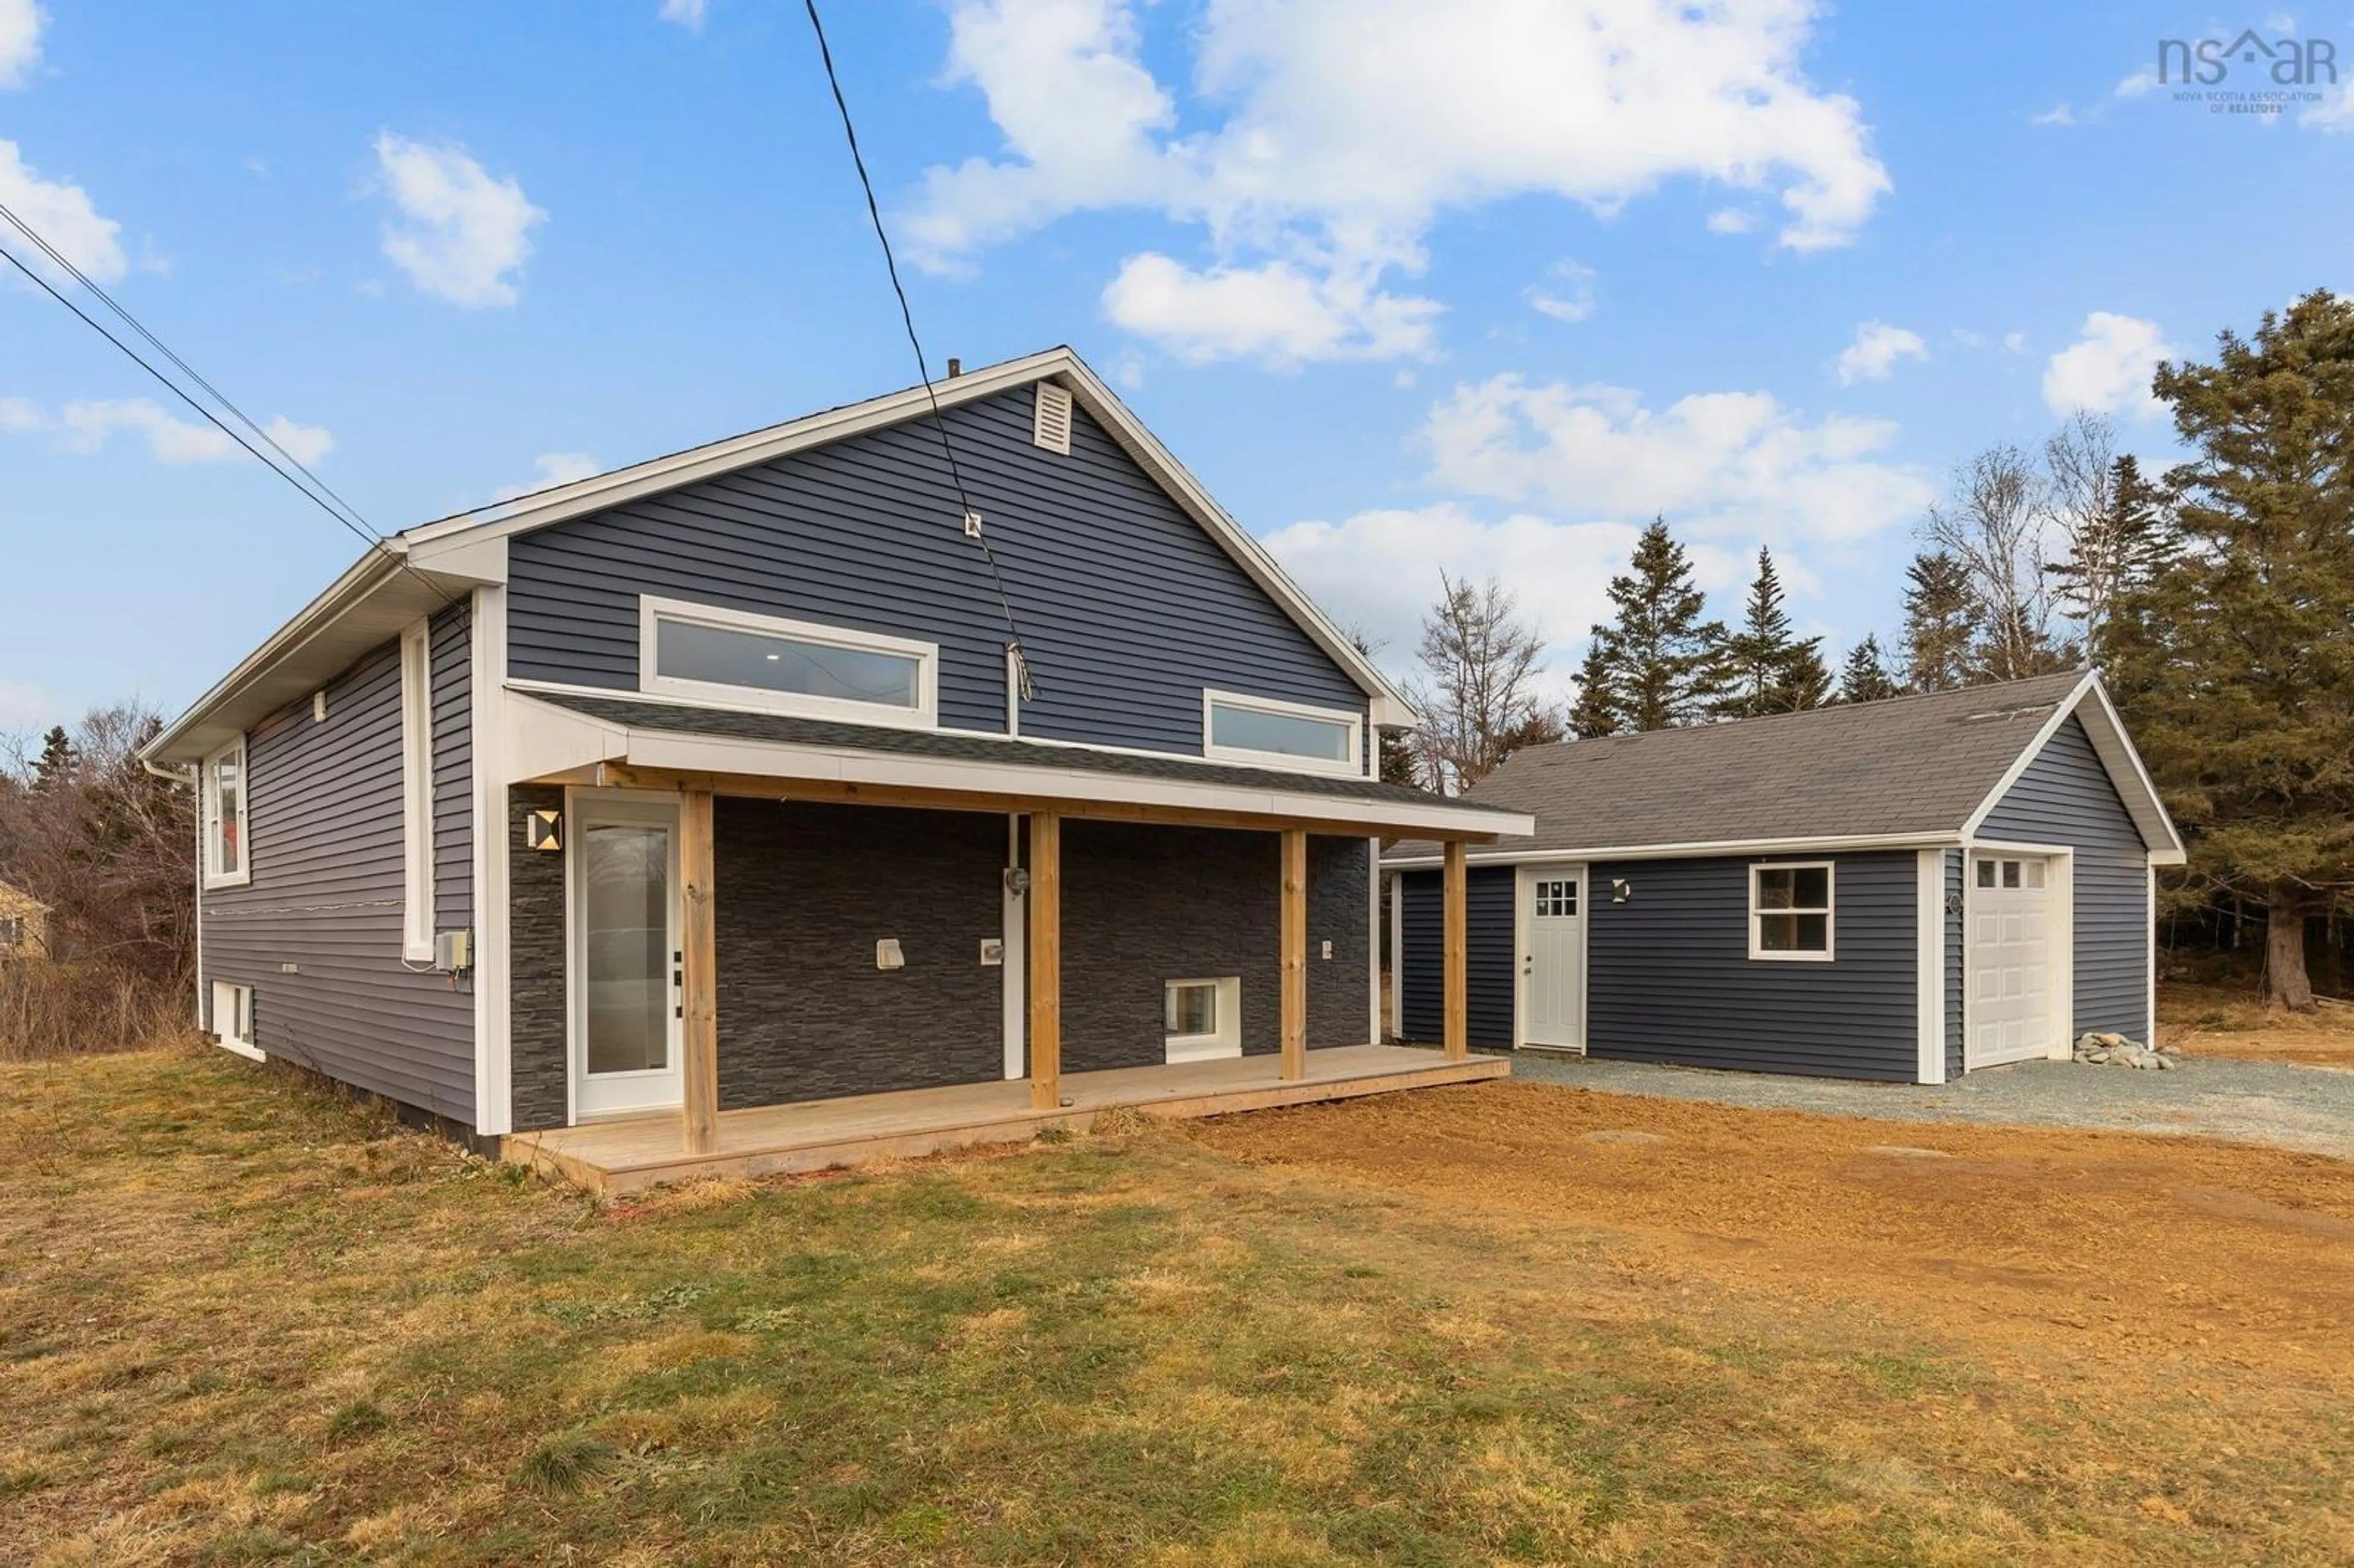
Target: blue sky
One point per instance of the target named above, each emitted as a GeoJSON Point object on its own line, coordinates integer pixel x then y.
{"type": "Point", "coordinates": [1479, 287]}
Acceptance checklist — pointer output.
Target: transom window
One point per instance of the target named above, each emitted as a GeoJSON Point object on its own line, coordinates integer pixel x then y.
{"type": "Point", "coordinates": [223, 817]}
{"type": "Point", "coordinates": [1238, 728]}
{"type": "Point", "coordinates": [822, 672]}
{"type": "Point", "coordinates": [1790, 911]}
{"type": "Point", "coordinates": [1557, 900]}
{"type": "Point", "coordinates": [1996, 873]}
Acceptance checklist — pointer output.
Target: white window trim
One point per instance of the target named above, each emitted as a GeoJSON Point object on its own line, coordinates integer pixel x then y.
{"type": "Point", "coordinates": [416, 794]}
{"type": "Point", "coordinates": [1226, 1040]}
{"type": "Point", "coordinates": [925, 715]}
{"type": "Point", "coordinates": [228, 992]}
{"type": "Point", "coordinates": [209, 813]}
{"type": "Point", "coordinates": [1354, 767]}
{"type": "Point", "coordinates": [1829, 912]}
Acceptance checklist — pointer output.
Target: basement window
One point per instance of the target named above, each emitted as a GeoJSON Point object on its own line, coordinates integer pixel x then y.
{"type": "Point", "coordinates": [1790, 912]}
{"type": "Point", "coordinates": [223, 810]}
{"type": "Point", "coordinates": [1272, 733]}
{"type": "Point", "coordinates": [233, 1016]}
{"type": "Point", "coordinates": [710, 653]}
{"type": "Point", "coordinates": [1203, 1018]}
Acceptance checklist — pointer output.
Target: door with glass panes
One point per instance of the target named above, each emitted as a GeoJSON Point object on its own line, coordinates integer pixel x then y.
{"type": "Point", "coordinates": [1553, 957]}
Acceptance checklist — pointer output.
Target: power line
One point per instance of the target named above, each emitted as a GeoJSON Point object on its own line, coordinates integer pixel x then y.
{"type": "Point", "coordinates": [358, 528]}
{"type": "Point", "coordinates": [923, 366]}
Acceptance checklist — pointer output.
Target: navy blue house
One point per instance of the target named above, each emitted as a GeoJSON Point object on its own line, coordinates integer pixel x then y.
{"type": "Point", "coordinates": [1905, 890]}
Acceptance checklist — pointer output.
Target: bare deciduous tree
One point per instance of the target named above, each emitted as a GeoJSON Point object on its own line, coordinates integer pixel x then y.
{"type": "Point", "coordinates": [1478, 695]}
{"type": "Point", "coordinates": [1997, 525]}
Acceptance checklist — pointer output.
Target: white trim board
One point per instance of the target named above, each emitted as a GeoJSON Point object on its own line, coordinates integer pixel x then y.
{"type": "Point", "coordinates": [1697, 851]}
{"type": "Point", "coordinates": [494, 970]}
{"type": "Point", "coordinates": [1929, 976]}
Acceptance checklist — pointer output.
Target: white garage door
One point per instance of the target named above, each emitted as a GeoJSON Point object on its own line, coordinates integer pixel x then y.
{"type": "Point", "coordinates": [2009, 960]}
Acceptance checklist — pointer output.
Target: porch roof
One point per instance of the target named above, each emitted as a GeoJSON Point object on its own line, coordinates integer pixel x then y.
{"type": "Point", "coordinates": [872, 761]}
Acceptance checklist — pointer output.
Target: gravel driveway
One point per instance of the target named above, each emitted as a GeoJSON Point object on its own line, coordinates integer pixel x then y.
{"type": "Point", "coordinates": [2278, 1102]}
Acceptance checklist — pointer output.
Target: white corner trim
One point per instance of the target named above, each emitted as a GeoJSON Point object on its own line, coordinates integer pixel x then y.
{"type": "Point", "coordinates": [1829, 912]}
{"type": "Point", "coordinates": [416, 860]}
{"type": "Point", "coordinates": [654, 610]}
{"type": "Point", "coordinates": [2150, 967]}
{"type": "Point", "coordinates": [1373, 941]}
{"type": "Point", "coordinates": [1930, 975]}
{"type": "Point", "coordinates": [493, 971]}
{"type": "Point", "coordinates": [1353, 767]}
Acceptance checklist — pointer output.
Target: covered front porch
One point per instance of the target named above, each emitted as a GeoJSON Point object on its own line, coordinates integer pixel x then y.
{"type": "Point", "coordinates": [615, 1158]}
{"type": "Point", "coordinates": [1082, 950]}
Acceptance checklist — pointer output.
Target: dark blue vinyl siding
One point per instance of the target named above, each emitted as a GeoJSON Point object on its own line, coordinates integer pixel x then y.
{"type": "Point", "coordinates": [1488, 897]}
{"type": "Point", "coordinates": [1128, 607]}
{"type": "Point", "coordinates": [2065, 797]}
{"type": "Point", "coordinates": [1671, 979]}
{"type": "Point", "coordinates": [324, 804]}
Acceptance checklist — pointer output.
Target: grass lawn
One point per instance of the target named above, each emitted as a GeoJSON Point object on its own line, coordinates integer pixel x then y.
{"type": "Point", "coordinates": [241, 1322]}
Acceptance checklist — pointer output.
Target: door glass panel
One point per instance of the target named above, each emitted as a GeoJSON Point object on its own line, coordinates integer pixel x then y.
{"type": "Point", "coordinates": [2011, 874]}
{"type": "Point", "coordinates": [628, 877]}
{"type": "Point", "coordinates": [1985, 874]}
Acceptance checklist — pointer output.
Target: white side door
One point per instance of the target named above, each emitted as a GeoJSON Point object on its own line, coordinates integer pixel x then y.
{"type": "Point", "coordinates": [2009, 959]}
{"type": "Point", "coordinates": [626, 956]}
{"type": "Point", "coordinates": [1553, 961]}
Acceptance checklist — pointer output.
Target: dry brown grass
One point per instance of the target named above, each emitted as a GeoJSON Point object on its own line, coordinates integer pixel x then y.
{"type": "Point", "coordinates": [2221, 1020]}
{"type": "Point", "coordinates": [243, 1321]}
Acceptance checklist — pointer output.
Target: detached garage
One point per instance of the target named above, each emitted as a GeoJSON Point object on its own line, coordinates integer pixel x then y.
{"type": "Point", "coordinates": [1905, 890]}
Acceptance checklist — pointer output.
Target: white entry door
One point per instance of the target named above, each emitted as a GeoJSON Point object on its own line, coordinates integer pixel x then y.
{"type": "Point", "coordinates": [1553, 966]}
{"type": "Point", "coordinates": [2011, 1013]}
{"type": "Point", "coordinates": [626, 956]}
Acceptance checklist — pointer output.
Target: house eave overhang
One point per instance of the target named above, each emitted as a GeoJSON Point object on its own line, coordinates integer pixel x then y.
{"type": "Point", "coordinates": [552, 744]}
{"type": "Point", "coordinates": [1532, 854]}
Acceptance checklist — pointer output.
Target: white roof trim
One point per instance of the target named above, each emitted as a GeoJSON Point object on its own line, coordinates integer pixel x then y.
{"type": "Point", "coordinates": [1502, 854]}
{"type": "Point", "coordinates": [2118, 759]}
{"type": "Point", "coordinates": [1060, 365]}
{"type": "Point", "coordinates": [553, 740]}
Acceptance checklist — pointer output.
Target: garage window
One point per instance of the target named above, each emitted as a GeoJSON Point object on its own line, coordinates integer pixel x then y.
{"type": "Point", "coordinates": [1790, 912]}
{"type": "Point", "coordinates": [1997, 873]}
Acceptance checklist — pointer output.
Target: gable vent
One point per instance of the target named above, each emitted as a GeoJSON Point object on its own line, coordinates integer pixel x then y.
{"type": "Point", "coordinates": [1051, 426]}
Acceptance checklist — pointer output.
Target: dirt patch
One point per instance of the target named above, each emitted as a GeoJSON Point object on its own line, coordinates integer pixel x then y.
{"type": "Point", "coordinates": [2215, 1020]}
{"type": "Point", "coordinates": [2134, 1248]}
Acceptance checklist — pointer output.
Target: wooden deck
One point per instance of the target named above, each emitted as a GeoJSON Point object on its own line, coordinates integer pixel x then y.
{"type": "Point", "coordinates": [617, 1156]}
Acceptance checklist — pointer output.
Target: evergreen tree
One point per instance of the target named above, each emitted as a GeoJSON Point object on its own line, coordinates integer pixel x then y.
{"type": "Point", "coordinates": [1941, 624]}
{"type": "Point", "coordinates": [1664, 664]}
{"type": "Point", "coordinates": [55, 769]}
{"type": "Point", "coordinates": [1596, 712]}
{"type": "Point", "coordinates": [1865, 678]}
{"type": "Point", "coordinates": [2234, 663]}
{"type": "Point", "coordinates": [1770, 670]}
{"type": "Point", "coordinates": [2122, 545]}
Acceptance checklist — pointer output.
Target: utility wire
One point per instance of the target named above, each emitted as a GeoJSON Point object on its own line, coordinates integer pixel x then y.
{"type": "Point", "coordinates": [923, 367]}
{"type": "Point", "coordinates": [358, 527]}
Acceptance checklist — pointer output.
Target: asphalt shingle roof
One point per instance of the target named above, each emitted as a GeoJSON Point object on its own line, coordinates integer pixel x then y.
{"type": "Point", "coordinates": [685, 719]}
{"type": "Point", "coordinates": [1918, 764]}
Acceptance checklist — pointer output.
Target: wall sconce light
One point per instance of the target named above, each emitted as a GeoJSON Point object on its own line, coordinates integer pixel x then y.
{"type": "Point", "coordinates": [1621, 891]}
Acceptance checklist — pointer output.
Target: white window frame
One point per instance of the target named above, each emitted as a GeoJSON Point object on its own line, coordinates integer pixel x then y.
{"type": "Point", "coordinates": [1226, 1040]}
{"type": "Point", "coordinates": [1829, 912]}
{"type": "Point", "coordinates": [925, 715]}
{"type": "Point", "coordinates": [237, 1001]}
{"type": "Point", "coordinates": [208, 808]}
{"type": "Point", "coordinates": [1354, 767]}
{"type": "Point", "coordinates": [416, 794]}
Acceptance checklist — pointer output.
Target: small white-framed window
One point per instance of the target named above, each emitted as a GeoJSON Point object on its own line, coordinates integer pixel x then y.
{"type": "Point", "coordinates": [416, 794]}
{"type": "Point", "coordinates": [1267, 732]}
{"type": "Point", "coordinates": [2011, 874]}
{"type": "Point", "coordinates": [1556, 899]}
{"type": "Point", "coordinates": [1790, 912]}
{"type": "Point", "coordinates": [224, 809]}
{"type": "Point", "coordinates": [233, 1016]}
{"type": "Point", "coordinates": [710, 653]}
{"type": "Point", "coordinates": [1203, 1018]}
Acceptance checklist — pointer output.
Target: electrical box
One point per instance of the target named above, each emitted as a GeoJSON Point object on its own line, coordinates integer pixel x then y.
{"type": "Point", "coordinates": [993, 952]}
{"type": "Point", "coordinates": [453, 951]}
{"type": "Point", "coordinates": [887, 955]}
{"type": "Point", "coordinates": [1328, 949]}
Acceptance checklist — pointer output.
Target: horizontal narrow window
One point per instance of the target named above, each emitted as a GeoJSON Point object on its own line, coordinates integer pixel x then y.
{"type": "Point", "coordinates": [1238, 728]}
{"type": "Point", "coordinates": [699, 650]}
{"type": "Point", "coordinates": [1790, 911]}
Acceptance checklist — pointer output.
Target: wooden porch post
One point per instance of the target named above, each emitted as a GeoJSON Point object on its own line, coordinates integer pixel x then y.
{"type": "Point", "coordinates": [1295, 952]}
{"type": "Point", "coordinates": [1457, 1034]}
{"type": "Point", "coordinates": [700, 1067]}
{"type": "Point", "coordinates": [1045, 944]}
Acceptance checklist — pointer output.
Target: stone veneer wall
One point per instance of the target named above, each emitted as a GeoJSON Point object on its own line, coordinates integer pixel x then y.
{"type": "Point", "coordinates": [537, 949]}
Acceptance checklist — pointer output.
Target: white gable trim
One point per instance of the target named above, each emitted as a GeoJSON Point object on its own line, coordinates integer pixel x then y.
{"type": "Point", "coordinates": [2118, 759]}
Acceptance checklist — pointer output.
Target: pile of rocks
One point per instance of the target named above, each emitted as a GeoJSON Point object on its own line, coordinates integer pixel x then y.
{"type": "Point", "coordinates": [2116, 1051]}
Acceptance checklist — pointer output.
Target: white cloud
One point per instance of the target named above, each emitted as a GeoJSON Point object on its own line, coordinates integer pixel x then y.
{"type": "Point", "coordinates": [2108, 367]}
{"type": "Point", "coordinates": [687, 14]}
{"type": "Point", "coordinates": [2140, 82]}
{"type": "Point", "coordinates": [2016, 342]}
{"type": "Point", "coordinates": [1730, 220]}
{"type": "Point", "coordinates": [20, 41]}
{"type": "Point", "coordinates": [467, 234]}
{"type": "Point", "coordinates": [1342, 129]}
{"type": "Point", "coordinates": [1278, 312]}
{"type": "Point", "coordinates": [554, 468]}
{"type": "Point", "coordinates": [1718, 464]}
{"type": "Point", "coordinates": [86, 425]}
{"type": "Point", "coordinates": [1567, 297]}
{"type": "Point", "coordinates": [2335, 111]}
{"type": "Point", "coordinates": [1875, 350]}
{"type": "Point", "coordinates": [63, 213]}
{"type": "Point", "coordinates": [2058, 114]}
